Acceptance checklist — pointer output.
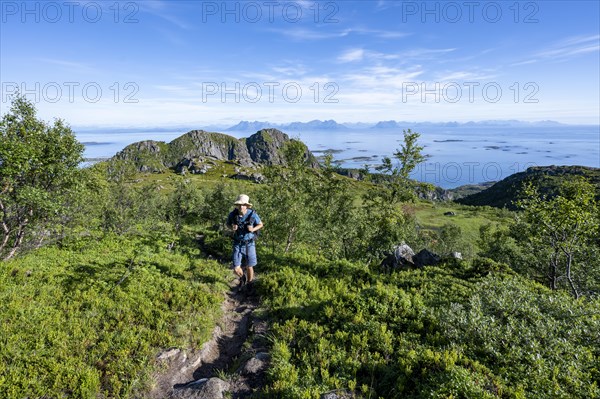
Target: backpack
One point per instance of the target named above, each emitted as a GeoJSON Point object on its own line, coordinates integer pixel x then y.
{"type": "Point", "coordinates": [250, 221]}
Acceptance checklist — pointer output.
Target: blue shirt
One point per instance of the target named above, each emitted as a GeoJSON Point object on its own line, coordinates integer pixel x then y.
{"type": "Point", "coordinates": [250, 218]}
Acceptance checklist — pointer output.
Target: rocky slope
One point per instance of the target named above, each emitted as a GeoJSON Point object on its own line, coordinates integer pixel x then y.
{"type": "Point", "coordinates": [195, 150]}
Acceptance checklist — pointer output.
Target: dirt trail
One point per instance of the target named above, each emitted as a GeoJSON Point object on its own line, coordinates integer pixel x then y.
{"type": "Point", "coordinates": [233, 360]}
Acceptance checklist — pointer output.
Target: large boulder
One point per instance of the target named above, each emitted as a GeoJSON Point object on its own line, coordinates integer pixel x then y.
{"type": "Point", "coordinates": [401, 257]}
{"type": "Point", "coordinates": [426, 258]}
{"type": "Point", "coordinates": [340, 394]}
{"type": "Point", "coordinates": [206, 388]}
{"type": "Point", "coordinates": [194, 166]}
{"type": "Point", "coordinates": [404, 257]}
{"type": "Point", "coordinates": [256, 365]}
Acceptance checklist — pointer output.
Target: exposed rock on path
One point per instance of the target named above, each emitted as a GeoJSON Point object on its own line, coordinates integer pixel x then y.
{"type": "Point", "coordinates": [234, 361]}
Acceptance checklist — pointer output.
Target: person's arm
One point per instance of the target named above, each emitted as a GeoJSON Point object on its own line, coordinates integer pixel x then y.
{"type": "Point", "coordinates": [257, 224]}
{"type": "Point", "coordinates": [252, 229]}
{"type": "Point", "coordinates": [230, 223]}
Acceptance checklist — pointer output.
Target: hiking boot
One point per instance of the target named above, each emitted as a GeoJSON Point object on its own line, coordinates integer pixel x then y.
{"type": "Point", "coordinates": [242, 283]}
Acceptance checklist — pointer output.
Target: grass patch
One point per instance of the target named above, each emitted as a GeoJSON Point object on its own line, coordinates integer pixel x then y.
{"type": "Point", "coordinates": [460, 330]}
{"type": "Point", "coordinates": [431, 216]}
{"type": "Point", "coordinates": [88, 320]}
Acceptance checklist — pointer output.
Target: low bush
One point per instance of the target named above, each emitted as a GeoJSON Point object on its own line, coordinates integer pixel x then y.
{"type": "Point", "coordinates": [87, 320]}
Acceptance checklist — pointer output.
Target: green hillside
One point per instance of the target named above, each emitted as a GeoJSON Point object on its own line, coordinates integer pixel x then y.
{"type": "Point", "coordinates": [106, 267]}
{"type": "Point", "coordinates": [547, 178]}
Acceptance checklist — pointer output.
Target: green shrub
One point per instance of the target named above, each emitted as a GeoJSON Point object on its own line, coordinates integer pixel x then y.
{"type": "Point", "coordinates": [88, 320]}
{"type": "Point", "coordinates": [459, 330]}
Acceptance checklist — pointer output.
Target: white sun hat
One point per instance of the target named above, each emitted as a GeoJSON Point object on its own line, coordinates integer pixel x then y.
{"type": "Point", "coordinates": [243, 199]}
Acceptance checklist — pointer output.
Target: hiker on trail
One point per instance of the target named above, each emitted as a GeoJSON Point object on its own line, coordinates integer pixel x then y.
{"type": "Point", "coordinates": [244, 222]}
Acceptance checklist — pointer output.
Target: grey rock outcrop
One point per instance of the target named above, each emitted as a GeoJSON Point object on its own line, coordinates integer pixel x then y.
{"type": "Point", "coordinates": [426, 258]}
{"type": "Point", "coordinates": [401, 257]}
{"type": "Point", "coordinates": [198, 144]}
{"type": "Point", "coordinates": [436, 194]}
{"type": "Point", "coordinates": [253, 177]}
{"type": "Point", "coordinates": [206, 388]}
{"type": "Point", "coordinates": [339, 394]}
{"type": "Point", "coordinates": [404, 257]}
{"type": "Point", "coordinates": [193, 151]}
{"type": "Point", "coordinates": [257, 364]}
{"type": "Point", "coordinates": [194, 166]}
{"type": "Point", "coordinates": [148, 155]}
{"type": "Point", "coordinates": [355, 174]}
{"type": "Point", "coordinates": [263, 146]}
{"type": "Point", "coordinates": [169, 353]}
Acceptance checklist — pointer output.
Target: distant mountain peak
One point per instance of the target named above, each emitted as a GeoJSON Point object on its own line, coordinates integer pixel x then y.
{"type": "Point", "coordinates": [315, 124]}
{"type": "Point", "coordinates": [247, 126]}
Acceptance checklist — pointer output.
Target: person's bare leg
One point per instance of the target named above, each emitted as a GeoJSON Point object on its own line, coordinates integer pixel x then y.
{"type": "Point", "coordinates": [250, 273]}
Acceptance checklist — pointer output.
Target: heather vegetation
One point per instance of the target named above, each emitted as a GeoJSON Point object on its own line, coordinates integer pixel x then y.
{"type": "Point", "coordinates": [105, 266]}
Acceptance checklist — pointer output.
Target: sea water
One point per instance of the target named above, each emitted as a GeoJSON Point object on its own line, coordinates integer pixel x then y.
{"type": "Point", "coordinates": [456, 155]}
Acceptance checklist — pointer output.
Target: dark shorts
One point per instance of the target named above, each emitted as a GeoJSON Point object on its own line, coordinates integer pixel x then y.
{"type": "Point", "coordinates": [244, 254]}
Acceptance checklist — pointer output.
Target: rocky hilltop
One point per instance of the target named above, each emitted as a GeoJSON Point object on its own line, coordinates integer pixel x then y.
{"type": "Point", "coordinates": [504, 193]}
{"type": "Point", "coordinates": [197, 149]}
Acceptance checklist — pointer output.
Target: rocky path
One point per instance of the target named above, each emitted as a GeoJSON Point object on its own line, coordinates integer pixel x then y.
{"type": "Point", "coordinates": [232, 364]}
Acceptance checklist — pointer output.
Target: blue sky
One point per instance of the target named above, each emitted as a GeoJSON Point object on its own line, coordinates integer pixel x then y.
{"type": "Point", "coordinates": [199, 63]}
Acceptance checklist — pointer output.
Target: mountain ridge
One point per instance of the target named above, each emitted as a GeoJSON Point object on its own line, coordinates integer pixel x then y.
{"type": "Point", "coordinates": [196, 149]}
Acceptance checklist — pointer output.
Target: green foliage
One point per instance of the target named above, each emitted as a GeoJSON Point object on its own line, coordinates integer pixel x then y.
{"type": "Point", "coordinates": [409, 156]}
{"type": "Point", "coordinates": [285, 202]}
{"type": "Point", "coordinates": [86, 317]}
{"type": "Point", "coordinates": [446, 240]}
{"type": "Point", "coordinates": [558, 230]}
{"type": "Point", "coordinates": [382, 225]}
{"type": "Point", "coordinates": [459, 330]}
{"type": "Point", "coordinates": [184, 204]}
{"type": "Point", "coordinates": [218, 202]}
{"type": "Point", "coordinates": [128, 205]}
{"type": "Point", "coordinates": [555, 240]}
{"type": "Point", "coordinates": [87, 320]}
{"type": "Point", "coordinates": [503, 245]}
{"type": "Point", "coordinates": [38, 166]}
{"type": "Point", "coordinates": [539, 342]}
{"type": "Point", "coordinates": [547, 180]}
{"type": "Point", "coordinates": [317, 209]}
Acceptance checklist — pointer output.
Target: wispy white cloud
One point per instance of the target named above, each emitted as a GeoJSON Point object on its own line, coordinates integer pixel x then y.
{"type": "Point", "coordinates": [383, 34]}
{"type": "Point", "coordinates": [379, 79]}
{"type": "Point", "coordinates": [302, 34]}
{"type": "Point", "coordinates": [322, 34]}
{"type": "Point", "coordinates": [577, 40]}
{"type": "Point", "coordinates": [383, 5]}
{"type": "Point", "coordinates": [426, 53]}
{"type": "Point", "coordinates": [70, 66]}
{"type": "Point", "coordinates": [352, 55]}
{"type": "Point", "coordinates": [407, 56]}
{"type": "Point", "coordinates": [160, 9]}
{"type": "Point", "coordinates": [572, 46]}
{"type": "Point", "coordinates": [565, 49]}
{"type": "Point", "coordinates": [464, 76]}
{"type": "Point", "coordinates": [291, 68]}
{"type": "Point", "coordinates": [526, 62]}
